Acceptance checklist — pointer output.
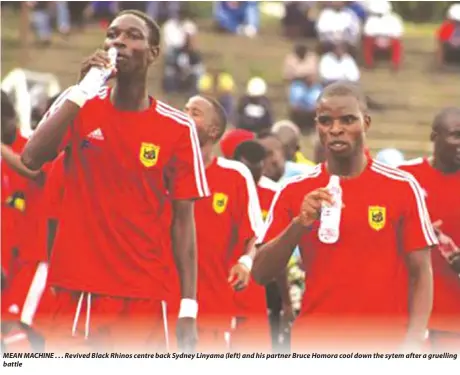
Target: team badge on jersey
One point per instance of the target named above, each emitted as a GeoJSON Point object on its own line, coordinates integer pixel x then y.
{"type": "Point", "coordinates": [219, 202]}
{"type": "Point", "coordinates": [149, 154]}
{"type": "Point", "coordinates": [377, 217]}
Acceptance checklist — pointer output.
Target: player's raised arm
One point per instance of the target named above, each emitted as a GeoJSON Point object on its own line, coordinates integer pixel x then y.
{"type": "Point", "coordinates": [45, 143]}
{"type": "Point", "coordinates": [283, 232]}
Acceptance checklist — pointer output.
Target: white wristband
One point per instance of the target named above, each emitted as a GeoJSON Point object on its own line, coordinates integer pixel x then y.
{"type": "Point", "coordinates": [77, 96]}
{"type": "Point", "coordinates": [246, 261]}
{"type": "Point", "coordinates": [188, 308]}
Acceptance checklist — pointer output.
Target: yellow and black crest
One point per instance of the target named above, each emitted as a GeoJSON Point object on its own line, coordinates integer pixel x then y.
{"type": "Point", "coordinates": [149, 154]}
{"type": "Point", "coordinates": [377, 217]}
{"type": "Point", "coordinates": [264, 214]}
{"type": "Point", "coordinates": [219, 202]}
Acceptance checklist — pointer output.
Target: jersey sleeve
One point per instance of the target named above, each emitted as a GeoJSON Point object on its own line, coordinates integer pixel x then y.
{"type": "Point", "coordinates": [280, 216]}
{"type": "Point", "coordinates": [248, 218]}
{"type": "Point", "coordinates": [52, 109]}
{"type": "Point", "coordinates": [417, 230]}
{"type": "Point", "coordinates": [187, 178]}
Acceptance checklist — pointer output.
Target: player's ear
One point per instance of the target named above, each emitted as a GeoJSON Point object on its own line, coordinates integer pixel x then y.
{"type": "Point", "coordinates": [213, 132]}
{"type": "Point", "coordinates": [367, 122]}
{"type": "Point", "coordinates": [153, 54]}
{"type": "Point", "coordinates": [433, 136]}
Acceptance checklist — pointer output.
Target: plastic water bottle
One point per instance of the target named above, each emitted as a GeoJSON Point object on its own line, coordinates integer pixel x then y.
{"type": "Point", "coordinates": [100, 75]}
{"type": "Point", "coordinates": [329, 228]}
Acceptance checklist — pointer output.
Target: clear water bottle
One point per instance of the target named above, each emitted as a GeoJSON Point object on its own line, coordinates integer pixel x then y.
{"type": "Point", "coordinates": [329, 228]}
{"type": "Point", "coordinates": [99, 75]}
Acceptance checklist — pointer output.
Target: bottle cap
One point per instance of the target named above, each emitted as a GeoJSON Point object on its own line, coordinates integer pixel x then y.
{"type": "Point", "coordinates": [334, 180]}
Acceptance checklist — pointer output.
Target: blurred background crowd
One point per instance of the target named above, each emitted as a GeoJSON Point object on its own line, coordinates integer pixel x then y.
{"type": "Point", "coordinates": [266, 62]}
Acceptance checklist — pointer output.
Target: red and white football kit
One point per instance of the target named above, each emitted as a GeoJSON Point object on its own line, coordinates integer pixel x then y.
{"type": "Point", "coordinates": [252, 331]}
{"type": "Point", "coordinates": [225, 222]}
{"type": "Point", "coordinates": [442, 193]}
{"type": "Point", "coordinates": [109, 261]}
{"type": "Point", "coordinates": [350, 298]}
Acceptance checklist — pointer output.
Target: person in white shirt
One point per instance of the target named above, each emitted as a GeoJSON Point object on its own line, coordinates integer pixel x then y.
{"type": "Point", "coordinates": [338, 24]}
{"type": "Point", "coordinates": [383, 31]}
{"type": "Point", "coordinates": [176, 31]}
{"type": "Point", "coordinates": [338, 65]}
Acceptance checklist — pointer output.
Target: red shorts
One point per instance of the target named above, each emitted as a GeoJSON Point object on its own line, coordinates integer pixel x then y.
{"type": "Point", "coordinates": [24, 292]}
{"type": "Point", "coordinates": [81, 321]}
{"type": "Point", "coordinates": [214, 333]}
{"type": "Point", "coordinates": [251, 334]}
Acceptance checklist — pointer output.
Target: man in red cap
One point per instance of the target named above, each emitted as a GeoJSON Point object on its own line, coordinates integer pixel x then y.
{"type": "Point", "coordinates": [232, 139]}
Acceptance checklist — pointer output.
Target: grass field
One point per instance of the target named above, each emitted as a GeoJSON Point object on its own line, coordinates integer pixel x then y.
{"type": "Point", "coordinates": [411, 97]}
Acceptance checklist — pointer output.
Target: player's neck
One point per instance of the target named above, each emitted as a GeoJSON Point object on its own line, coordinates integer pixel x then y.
{"type": "Point", "coordinates": [442, 167]}
{"type": "Point", "coordinates": [207, 154]}
{"type": "Point", "coordinates": [130, 94]}
{"type": "Point", "coordinates": [347, 168]}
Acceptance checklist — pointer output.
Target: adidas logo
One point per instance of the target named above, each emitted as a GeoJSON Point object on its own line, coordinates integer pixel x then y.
{"type": "Point", "coordinates": [96, 134]}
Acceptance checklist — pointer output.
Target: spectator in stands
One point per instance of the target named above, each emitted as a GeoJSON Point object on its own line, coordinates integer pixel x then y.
{"type": "Point", "coordinates": [254, 111]}
{"type": "Point", "coordinates": [162, 11]}
{"type": "Point", "coordinates": [390, 156]}
{"type": "Point", "coordinates": [42, 12]}
{"type": "Point", "coordinates": [231, 139]}
{"type": "Point", "coordinates": [176, 30]}
{"type": "Point", "coordinates": [103, 11]}
{"type": "Point", "coordinates": [300, 63]}
{"type": "Point", "coordinates": [221, 86]}
{"type": "Point", "coordinates": [297, 21]}
{"type": "Point", "coordinates": [303, 94]}
{"type": "Point", "coordinates": [290, 136]}
{"type": "Point", "coordinates": [448, 38]}
{"type": "Point", "coordinates": [237, 17]}
{"type": "Point", "coordinates": [184, 70]}
{"type": "Point", "coordinates": [382, 34]}
{"type": "Point", "coordinates": [338, 65]}
{"type": "Point", "coordinates": [338, 24]}
{"type": "Point", "coordinates": [359, 8]}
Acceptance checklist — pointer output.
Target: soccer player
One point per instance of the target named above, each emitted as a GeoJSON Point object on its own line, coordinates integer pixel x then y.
{"type": "Point", "coordinates": [439, 176]}
{"type": "Point", "coordinates": [227, 225]}
{"type": "Point", "coordinates": [352, 299]}
{"type": "Point", "coordinates": [251, 331]}
{"type": "Point", "coordinates": [132, 157]}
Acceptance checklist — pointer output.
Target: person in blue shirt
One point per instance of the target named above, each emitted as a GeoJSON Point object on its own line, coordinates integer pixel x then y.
{"type": "Point", "coordinates": [303, 94]}
{"type": "Point", "coordinates": [237, 17]}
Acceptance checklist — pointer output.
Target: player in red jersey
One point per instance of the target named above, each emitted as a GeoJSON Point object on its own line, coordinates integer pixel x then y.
{"type": "Point", "coordinates": [350, 301]}
{"type": "Point", "coordinates": [227, 225]}
{"type": "Point", "coordinates": [439, 176]}
{"type": "Point", "coordinates": [251, 331]}
{"type": "Point", "coordinates": [131, 158]}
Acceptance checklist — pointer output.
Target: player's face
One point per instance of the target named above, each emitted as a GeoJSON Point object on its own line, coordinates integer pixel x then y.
{"type": "Point", "coordinates": [275, 159]}
{"type": "Point", "coordinates": [341, 125]}
{"type": "Point", "coordinates": [129, 34]}
{"type": "Point", "coordinates": [201, 111]}
{"type": "Point", "coordinates": [447, 141]}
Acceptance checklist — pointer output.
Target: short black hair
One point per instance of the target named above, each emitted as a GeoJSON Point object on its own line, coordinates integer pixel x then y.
{"type": "Point", "coordinates": [7, 108]}
{"type": "Point", "coordinates": [251, 151]}
{"type": "Point", "coordinates": [155, 34]}
{"type": "Point", "coordinates": [440, 117]}
{"type": "Point", "coordinates": [344, 88]}
{"type": "Point", "coordinates": [221, 116]}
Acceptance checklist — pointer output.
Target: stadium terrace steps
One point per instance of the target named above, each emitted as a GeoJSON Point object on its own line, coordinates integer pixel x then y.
{"type": "Point", "coordinates": [411, 97]}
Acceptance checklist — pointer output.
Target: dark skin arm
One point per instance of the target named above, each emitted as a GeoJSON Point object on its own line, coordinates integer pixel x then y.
{"type": "Point", "coordinates": [185, 256]}
{"type": "Point", "coordinates": [420, 294]}
{"type": "Point", "coordinates": [44, 144]}
{"type": "Point", "coordinates": [14, 162]}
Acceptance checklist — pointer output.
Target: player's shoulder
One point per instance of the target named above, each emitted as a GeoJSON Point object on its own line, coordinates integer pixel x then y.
{"type": "Point", "coordinates": [268, 183]}
{"type": "Point", "coordinates": [309, 177]}
{"type": "Point", "coordinates": [234, 168]}
{"type": "Point", "coordinates": [394, 177]}
{"type": "Point", "coordinates": [412, 164]}
{"type": "Point", "coordinates": [173, 117]}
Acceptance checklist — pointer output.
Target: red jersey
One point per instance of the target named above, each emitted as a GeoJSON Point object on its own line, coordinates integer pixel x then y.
{"type": "Point", "coordinates": [124, 169]}
{"type": "Point", "coordinates": [252, 300]}
{"type": "Point", "coordinates": [55, 187]}
{"type": "Point", "coordinates": [350, 284]}
{"type": "Point", "coordinates": [443, 200]}
{"type": "Point", "coordinates": [230, 217]}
